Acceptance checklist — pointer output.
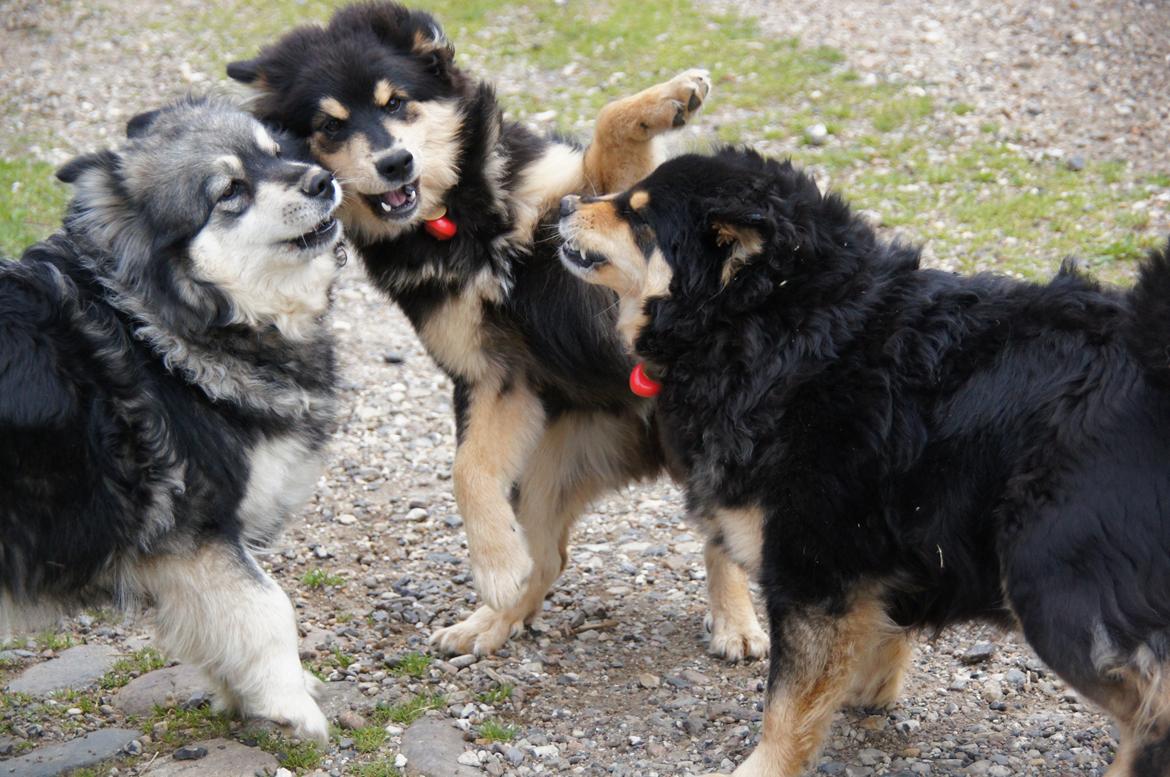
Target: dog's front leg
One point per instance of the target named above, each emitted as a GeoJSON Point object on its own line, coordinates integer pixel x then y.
{"type": "Point", "coordinates": [624, 148]}
{"type": "Point", "coordinates": [735, 630]}
{"type": "Point", "coordinates": [501, 426]}
{"type": "Point", "coordinates": [218, 610]}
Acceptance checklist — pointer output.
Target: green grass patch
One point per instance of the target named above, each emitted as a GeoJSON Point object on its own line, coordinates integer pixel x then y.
{"type": "Point", "coordinates": [319, 578]}
{"type": "Point", "coordinates": [376, 769]}
{"type": "Point", "coordinates": [186, 726]}
{"type": "Point", "coordinates": [32, 202]}
{"type": "Point", "coordinates": [368, 739]}
{"type": "Point", "coordinates": [136, 664]}
{"type": "Point", "coordinates": [409, 711]}
{"type": "Point", "coordinates": [295, 756]}
{"type": "Point", "coordinates": [497, 695]}
{"type": "Point", "coordinates": [494, 731]}
{"type": "Point", "coordinates": [412, 665]}
{"type": "Point", "coordinates": [49, 640]}
{"type": "Point", "coordinates": [900, 111]}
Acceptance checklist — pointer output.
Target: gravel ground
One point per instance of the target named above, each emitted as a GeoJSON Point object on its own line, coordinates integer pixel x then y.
{"type": "Point", "coordinates": [614, 680]}
{"type": "Point", "coordinates": [1085, 77]}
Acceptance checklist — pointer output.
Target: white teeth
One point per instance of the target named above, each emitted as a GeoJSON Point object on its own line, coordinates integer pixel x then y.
{"type": "Point", "coordinates": [386, 207]}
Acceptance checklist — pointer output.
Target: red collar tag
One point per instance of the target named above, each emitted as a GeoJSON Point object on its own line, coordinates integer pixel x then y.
{"type": "Point", "coordinates": [441, 228]}
{"type": "Point", "coordinates": [642, 384]}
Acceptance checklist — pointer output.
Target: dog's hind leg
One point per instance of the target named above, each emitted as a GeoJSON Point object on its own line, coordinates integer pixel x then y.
{"type": "Point", "coordinates": [814, 661]}
{"type": "Point", "coordinates": [735, 630]}
{"type": "Point", "coordinates": [218, 610]}
{"type": "Point", "coordinates": [881, 669]}
{"type": "Point", "coordinates": [624, 148]}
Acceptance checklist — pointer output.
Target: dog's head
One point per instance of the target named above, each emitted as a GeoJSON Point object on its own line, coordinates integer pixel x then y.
{"type": "Point", "coordinates": [201, 222]}
{"type": "Point", "coordinates": [376, 95]}
{"type": "Point", "coordinates": [716, 233]}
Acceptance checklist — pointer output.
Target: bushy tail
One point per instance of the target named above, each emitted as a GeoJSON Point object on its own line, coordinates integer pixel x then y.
{"type": "Point", "coordinates": [1149, 327]}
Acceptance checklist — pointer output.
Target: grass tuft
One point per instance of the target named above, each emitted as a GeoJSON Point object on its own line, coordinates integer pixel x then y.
{"type": "Point", "coordinates": [135, 665]}
{"type": "Point", "coordinates": [494, 731]}
{"type": "Point", "coordinates": [412, 665]}
{"type": "Point", "coordinates": [319, 578]}
{"type": "Point", "coordinates": [409, 711]}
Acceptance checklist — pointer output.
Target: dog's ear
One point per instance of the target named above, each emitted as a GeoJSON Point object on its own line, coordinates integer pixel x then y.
{"type": "Point", "coordinates": [431, 44]}
{"type": "Point", "coordinates": [740, 235]}
{"type": "Point", "coordinates": [247, 71]}
{"type": "Point", "coordinates": [103, 161]}
{"type": "Point", "coordinates": [141, 124]}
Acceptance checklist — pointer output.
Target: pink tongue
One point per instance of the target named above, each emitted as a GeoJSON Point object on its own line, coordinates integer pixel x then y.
{"type": "Point", "coordinates": [395, 198]}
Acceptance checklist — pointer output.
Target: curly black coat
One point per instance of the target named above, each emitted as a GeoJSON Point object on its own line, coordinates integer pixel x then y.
{"type": "Point", "coordinates": [943, 447]}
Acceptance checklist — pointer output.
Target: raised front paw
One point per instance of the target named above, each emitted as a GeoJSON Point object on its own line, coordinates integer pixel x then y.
{"type": "Point", "coordinates": [689, 90]}
{"type": "Point", "coordinates": [672, 104]}
{"type": "Point", "coordinates": [501, 570]}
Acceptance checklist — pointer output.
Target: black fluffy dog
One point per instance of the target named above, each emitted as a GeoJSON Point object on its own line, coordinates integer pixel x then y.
{"type": "Point", "coordinates": [893, 448]}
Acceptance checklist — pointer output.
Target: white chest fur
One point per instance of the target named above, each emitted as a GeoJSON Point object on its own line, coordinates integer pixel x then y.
{"type": "Point", "coordinates": [282, 474]}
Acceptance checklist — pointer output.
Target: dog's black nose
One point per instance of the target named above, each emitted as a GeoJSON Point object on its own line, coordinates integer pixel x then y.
{"type": "Point", "coordinates": [317, 183]}
{"type": "Point", "coordinates": [568, 205]}
{"type": "Point", "coordinates": [396, 165]}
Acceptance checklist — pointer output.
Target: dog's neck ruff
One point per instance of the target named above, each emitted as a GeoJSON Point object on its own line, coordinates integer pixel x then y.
{"type": "Point", "coordinates": [439, 226]}
{"type": "Point", "coordinates": [642, 384]}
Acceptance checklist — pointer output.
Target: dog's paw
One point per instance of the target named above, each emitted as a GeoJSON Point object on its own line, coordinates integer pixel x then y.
{"type": "Point", "coordinates": [672, 104]}
{"type": "Point", "coordinates": [736, 639]}
{"type": "Point", "coordinates": [483, 633]}
{"type": "Point", "coordinates": [501, 572]}
{"type": "Point", "coordinates": [224, 700]}
{"type": "Point", "coordinates": [301, 715]}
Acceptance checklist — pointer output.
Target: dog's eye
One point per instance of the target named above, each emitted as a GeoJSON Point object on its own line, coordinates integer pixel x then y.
{"type": "Point", "coordinates": [233, 190]}
{"type": "Point", "coordinates": [393, 104]}
{"type": "Point", "coordinates": [332, 126]}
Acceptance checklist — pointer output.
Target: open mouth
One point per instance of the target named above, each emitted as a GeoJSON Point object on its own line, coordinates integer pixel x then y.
{"type": "Point", "coordinates": [585, 260]}
{"type": "Point", "coordinates": [321, 234]}
{"type": "Point", "coordinates": [396, 203]}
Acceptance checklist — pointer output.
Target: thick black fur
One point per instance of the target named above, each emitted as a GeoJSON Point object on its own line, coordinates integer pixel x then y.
{"type": "Point", "coordinates": [970, 446]}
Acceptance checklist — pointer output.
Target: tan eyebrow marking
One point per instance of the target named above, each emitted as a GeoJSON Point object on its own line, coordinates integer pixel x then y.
{"type": "Point", "coordinates": [382, 92]}
{"type": "Point", "coordinates": [334, 109]}
{"type": "Point", "coordinates": [639, 200]}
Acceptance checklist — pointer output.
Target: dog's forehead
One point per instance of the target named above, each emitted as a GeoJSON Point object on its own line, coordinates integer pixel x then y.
{"type": "Point", "coordinates": [186, 148]}
{"type": "Point", "coordinates": [355, 79]}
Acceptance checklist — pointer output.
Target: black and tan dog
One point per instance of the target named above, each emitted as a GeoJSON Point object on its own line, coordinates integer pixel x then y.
{"type": "Point", "coordinates": [444, 199]}
{"type": "Point", "coordinates": [893, 448]}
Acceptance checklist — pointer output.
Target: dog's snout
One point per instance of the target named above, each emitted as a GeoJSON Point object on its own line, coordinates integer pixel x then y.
{"type": "Point", "coordinates": [317, 183]}
{"type": "Point", "coordinates": [568, 205]}
{"type": "Point", "coordinates": [396, 166]}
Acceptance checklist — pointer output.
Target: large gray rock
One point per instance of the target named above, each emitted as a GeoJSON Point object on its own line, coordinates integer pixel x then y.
{"type": "Point", "coordinates": [77, 668]}
{"type": "Point", "coordinates": [167, 687]}
{"type": "Point", "coordinates": [224, 758]}
{"type": "Point", "coordinates": [340, 697]}
{"type": "Point", "coordinates": [432, 748]}
{"type": "Point", "coordinates": [51, 760]}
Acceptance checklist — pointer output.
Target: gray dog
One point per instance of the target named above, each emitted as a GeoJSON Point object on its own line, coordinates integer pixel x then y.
{"type": "Point", "coordinates": [166, 389]}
